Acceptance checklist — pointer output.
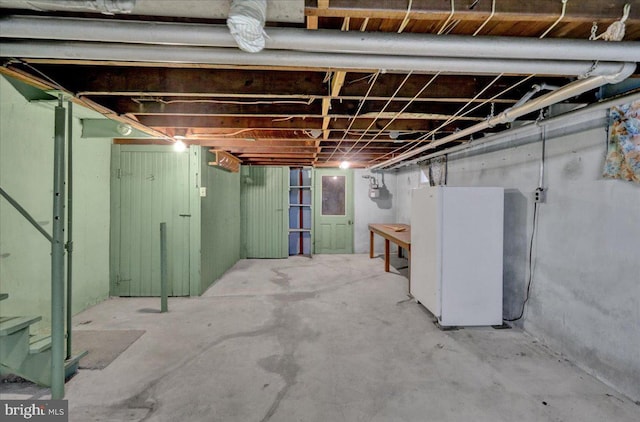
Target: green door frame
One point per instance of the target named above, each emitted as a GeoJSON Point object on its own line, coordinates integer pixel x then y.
{"type": "Point", "coordinates": [194, 206]}
{"type": "Point", "coordinates": [343, 222]}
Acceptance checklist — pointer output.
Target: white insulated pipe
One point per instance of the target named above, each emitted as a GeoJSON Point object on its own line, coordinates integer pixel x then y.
{"type": "Point", "coordinates": [585, 118]}
{"type": "Point", "coordinates": [324, 41]}
{"type": "Point", "coordinates": [107, 7]}
{"type": "Point", "coordinates": [74, 50]}
{"type": "Point", "coordinates": [568, 91]}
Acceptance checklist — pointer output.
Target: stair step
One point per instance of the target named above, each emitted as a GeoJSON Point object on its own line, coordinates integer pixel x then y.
{"type": "Point", "coordinates": [40, 343]}
{"type": "Point", "coordinates": [3, 296]}
{"type": "Point", "coordinates": [71, 364]}
{"type": "Point", "coordinates": [12, 324]}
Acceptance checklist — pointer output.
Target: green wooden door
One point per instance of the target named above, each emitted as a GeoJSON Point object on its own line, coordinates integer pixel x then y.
{"type": "Point", "coordinates": [333, 215]}
{"type": "Point", "coordinates": [264, 216]}
{"type": "Point", "coordinates": [150, 186]}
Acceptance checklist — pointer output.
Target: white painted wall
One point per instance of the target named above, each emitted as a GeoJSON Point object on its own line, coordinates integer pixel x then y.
{"type": "Point", "coordinates": [586, 290]}
{"type": "Point", "coordinates": [408, 179]}
{"type": "Point", "coordinates": [26, 173]}
{"type": "Point", "coordinates": [367, 210]}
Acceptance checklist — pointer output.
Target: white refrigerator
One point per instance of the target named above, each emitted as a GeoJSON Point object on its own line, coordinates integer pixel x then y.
{"type": "Point", "coordinates": [457, 252]}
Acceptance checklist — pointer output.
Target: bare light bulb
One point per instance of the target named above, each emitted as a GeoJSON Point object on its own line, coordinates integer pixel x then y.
{"type": "Point", "coordinates": [345, 165]}
{"type": "Point", "coordinates": [179, 146]}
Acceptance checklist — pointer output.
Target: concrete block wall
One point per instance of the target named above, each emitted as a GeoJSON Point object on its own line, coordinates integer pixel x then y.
{"type": "Point", "coordinates": [26, 173]}
{"type": "Point", "coordinates": [585, 292]}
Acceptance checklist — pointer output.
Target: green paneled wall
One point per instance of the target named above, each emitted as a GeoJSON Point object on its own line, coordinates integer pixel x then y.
{"type": "Point", "coordinates": [150, 185]}
{"type": "Point", "coordinates": [26, 172]}
{"type": "Point", "coordinates": [220, 221]}
{"type": "Point", "coordinates": [265, 212]}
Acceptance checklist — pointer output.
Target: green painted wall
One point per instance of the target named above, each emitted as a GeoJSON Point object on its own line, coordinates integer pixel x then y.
{"type": "Point", "coordinates": [26, 173]}
{"type": "Point", "coordinates": [220, 220]}
{"type": "Point", "coordinates": [264, 212]}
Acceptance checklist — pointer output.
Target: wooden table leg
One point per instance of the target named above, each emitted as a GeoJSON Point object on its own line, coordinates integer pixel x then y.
{"type": "Point", "coordinates": [370, 244]}
{"type": "Point", "coordinates": [399, 252]}
{"type": "Point", "coordinates": [386, 255]}
{"type": "Point", "coordinates": [409, 258]}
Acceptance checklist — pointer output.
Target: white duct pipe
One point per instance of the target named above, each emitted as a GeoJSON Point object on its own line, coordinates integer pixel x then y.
{"type": "Point", "coordinates": [353, 62]}
{"type": "Point", "coordinates": [568, 91]}
{"type": "Point", "coordinates": [107, 7]}
{"type": "Point", "coordinates": [325, 41]}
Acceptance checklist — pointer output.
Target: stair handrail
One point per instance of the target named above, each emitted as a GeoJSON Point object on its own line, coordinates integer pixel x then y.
{"type": "Point", "coordinates": [25, 214]}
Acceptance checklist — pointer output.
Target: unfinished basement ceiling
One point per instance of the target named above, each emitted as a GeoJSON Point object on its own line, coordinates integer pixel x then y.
{"type": "Point", "coordinates": [290, 106]}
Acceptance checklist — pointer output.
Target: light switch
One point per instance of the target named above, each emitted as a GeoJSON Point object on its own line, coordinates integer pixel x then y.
{"type": "Point", "coordinates": [203, 191]}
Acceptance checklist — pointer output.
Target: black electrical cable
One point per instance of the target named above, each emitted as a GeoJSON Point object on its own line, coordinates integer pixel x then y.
{"type": "Point", "coordinates": [534, 227]}
{"type": "Point", "coordinates": [531, 240]}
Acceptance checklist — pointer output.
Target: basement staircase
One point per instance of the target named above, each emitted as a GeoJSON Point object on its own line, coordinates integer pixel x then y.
{"type": "Point", "coordinates": [26, 355]}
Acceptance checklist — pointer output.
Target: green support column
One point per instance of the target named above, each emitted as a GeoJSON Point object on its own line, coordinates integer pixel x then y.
{"type": "Point", "coordinates": [57, 259]}
{"type": "Point", "coordinates": [69, 226]}
{"type": "Point", "coordinates": [164, 291]}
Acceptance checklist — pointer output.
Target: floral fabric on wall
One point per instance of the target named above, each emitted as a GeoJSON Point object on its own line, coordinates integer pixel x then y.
{"type": "Point", "coordinates": [623, 152]}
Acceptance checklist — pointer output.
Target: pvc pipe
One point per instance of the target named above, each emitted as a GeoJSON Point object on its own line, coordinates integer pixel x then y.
{"type": "Point", "coordinates": [325, 41]}
{"type": "Point", "coordinates": [586, 118]}
{"type": "Point", "coordinates": [57, 259]}
{"type": "Point", "coordinates": [568, 91]}
{"type": "Point", "coordinates": [536, 88]}
{"type": "Point", "coordinates": [225, 56]}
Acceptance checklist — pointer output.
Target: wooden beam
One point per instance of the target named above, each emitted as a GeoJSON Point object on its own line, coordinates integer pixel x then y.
{"type": "Point", "coordinates": [270, 150]}
{"type": "Point", "coordinates": [253, 85]}
{"type": "Point", "coordinates": [355, 154]}
{"type": "Point", "coordinates": [263, 123]}
{"type": "Point", "coordinates": [312, 22]}
{"type": "Point", "coordinates": [340, 109]}
{"type": "Point", "coordinates": [260, 144]}
{"type": "Point", "coordinates": [274, 155]}
{"type": "Point", "coordinates": [335, 163]}
{"type": "Point", "coordinates": [89, 80]}
{"type": "Point", "coordinates": [337, 82]}
{"type": "Point", "coordinates": [209, 106]}
{"type": "Point", "coordinates": [506, 10]}
{"type": "Point", "coordinates": [256, 123]}
{"type": "Point", "coordinates": [444, 86]}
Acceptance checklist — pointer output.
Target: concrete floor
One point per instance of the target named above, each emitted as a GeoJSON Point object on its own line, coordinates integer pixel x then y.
{"type": "Point", "coordinates": [332, 338]}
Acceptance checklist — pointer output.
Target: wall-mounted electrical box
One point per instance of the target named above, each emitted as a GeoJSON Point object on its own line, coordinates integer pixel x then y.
{"type": "Point", "coordinates": [374, 188]}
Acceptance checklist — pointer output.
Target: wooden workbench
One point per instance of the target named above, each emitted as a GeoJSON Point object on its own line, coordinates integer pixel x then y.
{"type": "Point", "coordinates": [400, 234]}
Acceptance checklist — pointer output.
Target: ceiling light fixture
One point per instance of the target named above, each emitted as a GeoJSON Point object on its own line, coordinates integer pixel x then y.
{"type": "Point", "coordinates": [179, 146]}
{"type": "Point", "coordinates": [124, 129]}
{"type": "Point", "coordinates": [345, 165]}
{"type": "Point", "coordinates": [315, 133]}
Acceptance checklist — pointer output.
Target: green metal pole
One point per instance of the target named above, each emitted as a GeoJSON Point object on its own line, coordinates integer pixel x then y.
{"type": "Point", "coordinates": [69, 225]}
{"type": "Point", "coordinates": [164, 306]}
{"type": "Point", "coordinates": [57, 259]}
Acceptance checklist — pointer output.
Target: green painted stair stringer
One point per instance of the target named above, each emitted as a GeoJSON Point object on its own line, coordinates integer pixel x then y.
{"type": "Point", "coordinates": [29, 356]}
